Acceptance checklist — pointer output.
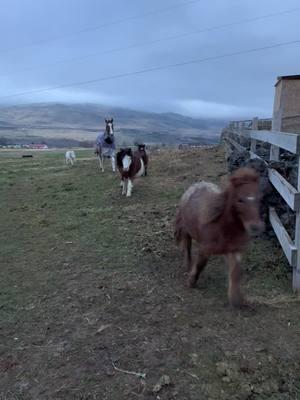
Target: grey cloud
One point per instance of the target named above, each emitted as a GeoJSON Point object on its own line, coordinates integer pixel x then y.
{"type": "Point", "coordinates": [238, 86]}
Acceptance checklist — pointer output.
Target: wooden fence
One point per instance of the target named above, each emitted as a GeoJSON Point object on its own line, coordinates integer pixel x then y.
{"type": "Point", "coordinates": [277, 140]}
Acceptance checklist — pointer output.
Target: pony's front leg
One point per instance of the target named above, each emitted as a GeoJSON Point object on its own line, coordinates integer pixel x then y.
{"type": "Point", "coordinates": [101, 162]}
{"type": "Point", "coordinates": [129, 188]}
{"type": "Point", "coordinates": [234, 274]}
{"type": "Point", "coordinates": [113, 163]}
{"type": "Point", "coordinates": [124, 188]}
{"type": "Point", "coordinates": [197, 267]}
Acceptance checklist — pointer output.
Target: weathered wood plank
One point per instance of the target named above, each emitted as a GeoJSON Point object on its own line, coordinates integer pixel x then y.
{"type": "Point", "coordinates": [296, 271]}
{"type": "Point", "coordinates": [253, 145]}
{"type": "Point", "coordinates": [274, 153]}
{"type": "Point", "coordinates": [241, 132]}
{"type": "Point", "coordinates": [284, 140]}
{"type": "Point", "coordinates": [289, 248]}
{"type": "Point", "coordinates": [285, 189]}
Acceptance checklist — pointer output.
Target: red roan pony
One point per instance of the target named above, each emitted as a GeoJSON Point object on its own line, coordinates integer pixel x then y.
{"type": "Point", "coordinates": [222, 222]}
{"type": "Point", "coordinates": [130, 166]}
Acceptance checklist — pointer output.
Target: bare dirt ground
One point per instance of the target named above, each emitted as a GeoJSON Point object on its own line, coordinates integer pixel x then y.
{"type": "Point", "coordinates": [93, 300]}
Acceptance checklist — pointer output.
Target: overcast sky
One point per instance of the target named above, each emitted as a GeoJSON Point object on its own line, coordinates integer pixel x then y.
{"type": "Point", "coordinates": [239, 86]}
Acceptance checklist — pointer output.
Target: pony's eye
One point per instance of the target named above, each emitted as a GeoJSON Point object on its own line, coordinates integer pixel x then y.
{"type": "Point", "coordinates": [241, 201]}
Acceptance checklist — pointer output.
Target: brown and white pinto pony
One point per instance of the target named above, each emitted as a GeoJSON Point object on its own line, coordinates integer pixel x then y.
{"type": "Point", "coordinates": [130, 166]}
{"type": "Point", "coordinates": [144, 156]}
{"type": "Point", "coordinates": [222, 222]}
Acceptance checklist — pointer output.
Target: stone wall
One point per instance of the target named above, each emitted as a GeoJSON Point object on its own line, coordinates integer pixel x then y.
{"type": "Point", "coordinates": [287, 167]}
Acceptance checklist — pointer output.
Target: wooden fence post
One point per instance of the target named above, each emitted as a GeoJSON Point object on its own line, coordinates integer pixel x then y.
{"type": "Point", "coordinates": [274, 150]}
{"type": "Point", "coordinates": [253, 141]}
{"type": "Point", "coordinates": [274, 153]}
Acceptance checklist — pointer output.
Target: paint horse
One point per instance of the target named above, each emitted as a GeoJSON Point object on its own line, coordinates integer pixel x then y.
{"type": "Point", "coordinates": [142, 150]}
{"type": "Point", "coordinates": [70, 157]}
{"type": "Point", "coordinates": [106, 146]}
{"type": "Point", "coordinates": [130, 166]}
{"type": "Point", "coordinates": [222, 222]}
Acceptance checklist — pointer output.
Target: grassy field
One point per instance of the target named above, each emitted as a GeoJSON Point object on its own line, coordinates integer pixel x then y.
{"type": "Point", "coordinates": [91, 288]}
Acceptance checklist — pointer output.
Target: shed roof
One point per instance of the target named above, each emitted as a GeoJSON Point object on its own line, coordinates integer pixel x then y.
{"type": "Point", "coordinates": [286, 77]}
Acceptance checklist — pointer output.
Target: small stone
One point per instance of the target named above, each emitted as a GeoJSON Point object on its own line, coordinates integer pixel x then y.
{"type": "Point", "coordinates": [163, 381]}
{"type": "Point", "coordinates": [226, 379]}
{"type": "Point", "coordinates": [260, 349]}
{"type": "Point", "coordinates": [194, 358]}
{"type": "Point", "coordinates": [222, 368]}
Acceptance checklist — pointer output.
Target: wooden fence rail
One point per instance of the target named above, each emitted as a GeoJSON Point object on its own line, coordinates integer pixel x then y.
{"type": "Point", "coordinates": [277, 140]}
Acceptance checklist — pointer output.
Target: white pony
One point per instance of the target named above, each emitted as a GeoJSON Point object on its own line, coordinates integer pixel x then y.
{"type": "Point", "coordinates": [70, 157]}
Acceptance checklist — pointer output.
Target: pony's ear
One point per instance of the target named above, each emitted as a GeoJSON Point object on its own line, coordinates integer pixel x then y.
{"type": "Point", "coordinates": [106, 120]}
{"type": "Point", "coordinates": [112, 120]}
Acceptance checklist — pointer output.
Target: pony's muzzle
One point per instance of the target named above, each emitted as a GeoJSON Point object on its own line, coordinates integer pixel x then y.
{"type": "Point", "coordinates": [255, 229]}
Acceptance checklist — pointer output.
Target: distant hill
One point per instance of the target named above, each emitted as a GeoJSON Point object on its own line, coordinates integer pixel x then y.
{"type": "Point", "coordinates": [57, 124]}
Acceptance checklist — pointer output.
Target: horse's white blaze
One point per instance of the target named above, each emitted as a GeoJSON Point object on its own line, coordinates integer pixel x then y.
{"type": "Point", "coordinates": [251, 198]}
{"type": "Point", "coordinates": [126, 162]}
{"type": "Point", "coordinates": [111, 131]}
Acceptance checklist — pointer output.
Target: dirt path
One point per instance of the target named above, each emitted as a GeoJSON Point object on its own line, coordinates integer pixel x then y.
{"type": "Point", "coordinates": [93, 301]}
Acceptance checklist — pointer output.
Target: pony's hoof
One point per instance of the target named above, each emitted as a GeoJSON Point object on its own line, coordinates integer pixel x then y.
{"type": "Point", "coordinates": [246, 306]}
{"type": "Point", "coordinates": [238, 303]}
{"type": "Point", "coordinates": [192, 283]}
